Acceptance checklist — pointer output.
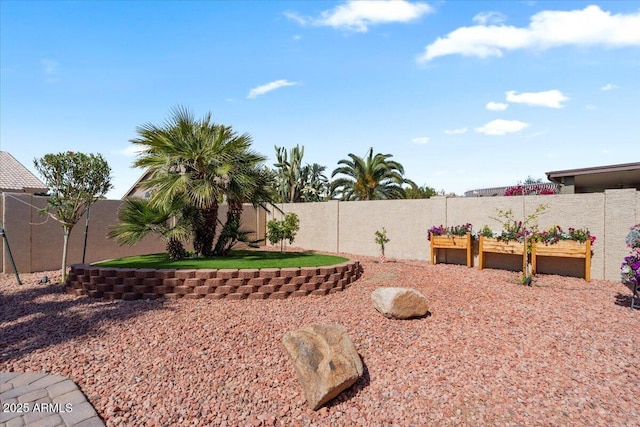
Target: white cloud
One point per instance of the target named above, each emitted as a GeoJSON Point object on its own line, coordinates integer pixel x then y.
{"type": "Point", "coordinates": [459, 131]}
{"type": "Point", "coordinates": [484, 18]}
{"type": "Point", "coordinates": [262, 89]}
{"type": "Point", "coordinates": [496, 106]}
{"type": "Point", "coordinates": [590, 107]}
{"type": "Point", "coordinates": [502, 127]}
{"type": "Point", "coordinates": [131, 150]}
{"type": "Point", "coordinates": [588, 27]}
{"type": "Point", "coordinates": [358, 15]}
{"type": "Point", "coordinates": [421, 140]}
{"type": "Point", "coordinates": [297, 18]}
{"type": "Point", "coordinates": [609, 86]}
{"type": "Point", "coordinates": [550, 98]}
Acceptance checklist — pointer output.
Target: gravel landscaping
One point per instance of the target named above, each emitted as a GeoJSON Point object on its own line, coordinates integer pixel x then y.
{"type": "Point", "coordinates": [563, 352]}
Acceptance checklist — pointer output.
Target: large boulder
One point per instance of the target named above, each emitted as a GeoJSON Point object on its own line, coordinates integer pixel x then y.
{"type": "Point", "coordinates": [325, 360]}
{"type": "Point", "coordinates": [400, 303]}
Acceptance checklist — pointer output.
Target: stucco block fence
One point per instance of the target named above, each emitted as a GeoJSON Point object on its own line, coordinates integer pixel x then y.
{"type": "Point", "coordinates": [230, 284]}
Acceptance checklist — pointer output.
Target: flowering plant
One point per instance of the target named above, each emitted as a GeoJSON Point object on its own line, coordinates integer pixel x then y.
{"type": "Point", "coordinates": [633, 238]}
{"type": "Point", "coordinates": [513, 230]}
{"type": "Point", "coordinates": [526, 190]}
{"type": "Point", "coordinates": [454, 230]}
{"type": "Point", "coordinates": [630, 268]}
{"type": "Point", "coordinates": [437, 230]}
{"type": "Point", "coordinates": [555, 233]}
{"type": "Point", "coordinates": [486, 232]}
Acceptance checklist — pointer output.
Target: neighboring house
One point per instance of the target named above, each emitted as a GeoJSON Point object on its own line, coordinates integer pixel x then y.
{"type": "Point", "coordinates": [597, 179]}
{"type": "Point", "coordinates": [15, 178]}
{"type": "Point", "coordinates": [585, 180]}
{"type": "Point", "coordinates": [499, 191]}
{"type": "Point", "coordinates": [137, 190]}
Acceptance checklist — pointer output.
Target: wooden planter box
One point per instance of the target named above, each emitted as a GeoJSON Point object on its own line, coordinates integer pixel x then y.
{"type": "Point", "coordinates": [491, 244]}
{"type": "Point", "coordinates": [565, 248]}
{"type": "Point", "coordinates": [451, 242]}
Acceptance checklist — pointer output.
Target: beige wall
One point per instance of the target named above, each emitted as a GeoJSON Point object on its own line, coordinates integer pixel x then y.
{"type": "Point", "coordinates": [320, 224]}
{"type": "Point", "coordinates": [36, 242]}
{"type": "Point", "coordinates": [349, 227]}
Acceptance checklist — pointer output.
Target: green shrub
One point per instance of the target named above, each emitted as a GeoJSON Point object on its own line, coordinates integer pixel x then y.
{"type": "Point", "coordinates": [279, 231]}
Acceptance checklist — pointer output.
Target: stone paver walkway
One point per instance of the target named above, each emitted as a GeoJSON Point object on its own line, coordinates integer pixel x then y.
{"type": "Point", "coordinates": [35, 399]}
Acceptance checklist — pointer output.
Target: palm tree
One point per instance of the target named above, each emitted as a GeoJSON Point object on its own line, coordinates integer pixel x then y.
{"type": "Point", "coordinates": [138, 218]}
{"type": "Point", "coordinates": [372, 178]}
{"type": "Point", "coordinates": [248, 183]}
{"type": "Point", "coordinates": [424, 192]}
{"type": "Point", "coordinates": [191, 161]}
{"type": "Point", "coordinates": [315, 184]}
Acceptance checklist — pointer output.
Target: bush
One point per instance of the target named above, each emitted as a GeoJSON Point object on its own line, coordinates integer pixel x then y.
{"type": "Point", "coordinates": [278, 231]}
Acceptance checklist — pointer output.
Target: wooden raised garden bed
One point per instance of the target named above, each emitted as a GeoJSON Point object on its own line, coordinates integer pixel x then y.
{"type": "Point", "coordinates": [493, 245]}
{"type": "Point", "coordinates": [451, 242]}
{"type": "Point", "coordinates": [565, 248]}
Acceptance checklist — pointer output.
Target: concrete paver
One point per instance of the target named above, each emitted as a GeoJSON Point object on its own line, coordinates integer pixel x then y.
{"type": "Point", "coordinates": [37, 399]}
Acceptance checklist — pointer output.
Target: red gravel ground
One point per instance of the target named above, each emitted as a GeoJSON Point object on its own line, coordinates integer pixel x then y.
{"type": "Point", "coordinates": [563, 352]}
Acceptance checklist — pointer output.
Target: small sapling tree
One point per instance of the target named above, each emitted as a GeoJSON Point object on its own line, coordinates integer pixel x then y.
{"type": "Point", "coordinates": [278, 231]}
{"type": "Point", "coordinates": [381, 239]}
{"type": "Point", "coordinates": [75, 181]}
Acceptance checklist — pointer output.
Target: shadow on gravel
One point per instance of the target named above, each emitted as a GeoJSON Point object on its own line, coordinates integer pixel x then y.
{"type": "Point", "coordinates": [35, 318]}
{"type": "Point", "coordinates": [624, 301]}
{"type": "Point", "coordinates": [362, 383]}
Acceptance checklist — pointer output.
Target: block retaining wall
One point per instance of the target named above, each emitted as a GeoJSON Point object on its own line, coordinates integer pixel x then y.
{"type": "Point", "coordinates": [231, 284]}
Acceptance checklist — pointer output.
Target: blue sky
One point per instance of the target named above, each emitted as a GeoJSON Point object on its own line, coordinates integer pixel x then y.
{"type": "Point", "coordinates": [465, 95]}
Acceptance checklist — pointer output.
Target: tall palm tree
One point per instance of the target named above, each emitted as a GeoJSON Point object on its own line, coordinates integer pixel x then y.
{"type": "Point", "coordinates": [372, 178]}
{"type": "Point", "coordinates": [190, 161]}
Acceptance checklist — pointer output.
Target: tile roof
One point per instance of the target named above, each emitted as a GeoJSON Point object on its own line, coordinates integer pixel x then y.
{"type": "Point", "coordinates": [14, 177]}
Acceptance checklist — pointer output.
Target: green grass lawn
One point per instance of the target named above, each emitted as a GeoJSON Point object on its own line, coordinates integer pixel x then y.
{"type": "Point", "coordinates": [236, 259]}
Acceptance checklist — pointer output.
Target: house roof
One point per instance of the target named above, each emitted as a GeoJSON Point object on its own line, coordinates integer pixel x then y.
{"type": "Point", "coordinates": [625, 175]}
{"type": "Point", "coordinates": [136, 187]}
{"type": "Point", "coordinates": [499, 191]}
{"type": "Point", "coordinates": [14, 177]}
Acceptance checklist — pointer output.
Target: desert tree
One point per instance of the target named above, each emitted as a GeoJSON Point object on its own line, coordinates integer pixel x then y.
{"type": "Point", "coordinates": [75, 181]}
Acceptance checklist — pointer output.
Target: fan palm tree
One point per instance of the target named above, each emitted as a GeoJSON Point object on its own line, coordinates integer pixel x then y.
{"type": "Point", "coordinates": [138, 218]}
{"type": "Point", "coordinates": [248, 183]}
{"type": "Point", "coordinates": [191, 162]}
{"type": "Point", "coordinates": [372, 178]}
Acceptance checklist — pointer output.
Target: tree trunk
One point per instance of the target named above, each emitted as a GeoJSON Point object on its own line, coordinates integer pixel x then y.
{"type": "Point", "coordinates": [65, 245]}
{"type": "Point", "coordinates": [205, 231]}
{"type": "Point", "coordinates": [175, 249]}
{"type": "Point", "coordinates": [229, 234]}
